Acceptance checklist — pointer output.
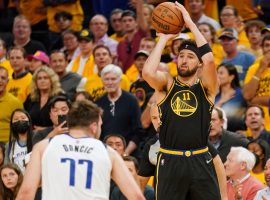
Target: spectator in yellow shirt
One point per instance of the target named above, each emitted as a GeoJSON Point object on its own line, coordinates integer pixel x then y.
{"type": "Point", "coordinates": [94, 85]}
{"type": "Point", "coordinates": [19, 84]}
{"type": "Point", "coordinates": [117, 25]}
{"type": "Point", "coordinates": [3, 60]}
{"type": "Point", "coordinates": [256, 89]}
{"type": "Point", "coordinates": [83, 64]}
{"type": "Point", "coordinates": [8, 103]}
{"type": "Point", "coordinates": [229, 19]}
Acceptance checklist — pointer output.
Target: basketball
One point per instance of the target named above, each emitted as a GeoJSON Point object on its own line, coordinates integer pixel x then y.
{"type": "Point", "coordinates": [166, 18]}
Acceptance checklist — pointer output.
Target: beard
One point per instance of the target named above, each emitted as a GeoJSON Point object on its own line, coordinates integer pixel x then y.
{"type": "Point", "coordinates": [187, 73]}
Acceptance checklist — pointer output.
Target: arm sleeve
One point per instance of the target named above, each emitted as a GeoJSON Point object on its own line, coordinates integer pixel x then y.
{"type": "Point", "coordinates": [146, 169]}
{"type": "Point", "coordinates": [212, 150]}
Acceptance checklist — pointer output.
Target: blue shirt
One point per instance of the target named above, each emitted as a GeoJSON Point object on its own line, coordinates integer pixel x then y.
{"type": "Point", "coordinates": [242, 62]}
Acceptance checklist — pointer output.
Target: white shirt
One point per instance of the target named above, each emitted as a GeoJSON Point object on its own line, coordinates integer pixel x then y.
{"type": "Point", "coordinates": [263, 193]}
{"type": "Point", "coordinates": [75, 168]}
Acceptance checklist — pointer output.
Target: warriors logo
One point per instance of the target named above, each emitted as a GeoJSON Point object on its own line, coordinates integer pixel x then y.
{"type": "Point", "coordinates": [184, 103]}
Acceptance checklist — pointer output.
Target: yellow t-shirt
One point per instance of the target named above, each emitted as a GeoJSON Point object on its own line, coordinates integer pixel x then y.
{"type": "Point", "coordinates": [172, 68]}
{"type": "Point", "coordinates": [6, 64]}
{"type": "Point", "coordinates": [8, 103]}
{"type": "Point", "coordinates": [88, 69]}
{"type": "Point", "coordinates": [132, 73]}
{"type": "Point", "coordinates": [35, 11]}
{"type": "Point", "coordinates": [20, 88]}
{"type": "Point", "coordinates": [263, 89]}
{"type": "Point", "coordinates": [218, 53]}
{"type": "Point", "coordinates": [259, 176]}
{"type": "Point", "coordinates": [117, 38]}
{"type": "Point", "coordinates": [75, 9]}
{"type": "Point", "coordinates": [244, 7]}
{"type": "Point", "coordinates": [94, 86]}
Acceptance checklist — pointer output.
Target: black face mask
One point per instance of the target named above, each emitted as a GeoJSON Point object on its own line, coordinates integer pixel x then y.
{"type": "Point", "coordinates": [20, 126]}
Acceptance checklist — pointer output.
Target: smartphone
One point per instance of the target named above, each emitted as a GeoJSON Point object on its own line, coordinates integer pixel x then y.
{"type": "Point", "coordinates": [61, 119]}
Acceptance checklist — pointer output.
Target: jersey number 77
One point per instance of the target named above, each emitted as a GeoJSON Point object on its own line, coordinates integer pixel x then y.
{"type": "Point", "coordinates": [72, 170]}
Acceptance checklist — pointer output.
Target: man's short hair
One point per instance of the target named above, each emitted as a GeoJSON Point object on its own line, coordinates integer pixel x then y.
{"type": "Point", "coordinates": [18, 48]}
{"type": "Point", "coordinates": [21, 17]}
{"type": "Point", "coordinates": [82, 114]}
{"type": "Point", "coordinates": [256, 106]}
{"type": "Point", "coordinates": [115, 135]}
{"type": "Point", "coordinates": [132, 159]}
{"type": "Point", "coordinates": [58, 98]}
{"type": "Point", "coordinates": [222, 115]}
{"type": "Point", "coordinates": [111, 68]}
{"type": "Point", "coordinates": [244, 155]}
{"type": "Point", "coordinates": [129, 13]}
{"type": "Point", "coordinates": [101, 46]}
{"type": "Point", "coordinates": [116, 11]}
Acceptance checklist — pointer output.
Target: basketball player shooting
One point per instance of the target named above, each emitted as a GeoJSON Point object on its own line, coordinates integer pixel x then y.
{"type": "Point", "coordinates": [76, 165]}
{"type": "Point", "coordinates": [184, 167]}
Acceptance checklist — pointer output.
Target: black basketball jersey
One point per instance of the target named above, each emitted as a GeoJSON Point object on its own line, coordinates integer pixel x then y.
{"type": "Point", "coordinates": [185, 115]}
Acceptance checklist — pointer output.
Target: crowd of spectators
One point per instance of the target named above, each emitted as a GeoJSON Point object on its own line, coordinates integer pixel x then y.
{"type": "Point", "coordinates": [52, 54]}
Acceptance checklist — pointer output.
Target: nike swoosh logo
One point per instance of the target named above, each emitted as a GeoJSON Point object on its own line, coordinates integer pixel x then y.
{"type": "Point", "coordinates": [208, 161]}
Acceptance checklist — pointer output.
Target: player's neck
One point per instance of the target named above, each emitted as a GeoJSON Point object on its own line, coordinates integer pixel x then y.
{"type": "Point", "coordinates": [79, 133]}
{"type": "Point", "coordinates": [188, 80]}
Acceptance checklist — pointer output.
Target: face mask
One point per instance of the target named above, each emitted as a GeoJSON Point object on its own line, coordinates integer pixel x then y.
{"type": "Point", "coordinates": [20, 126]}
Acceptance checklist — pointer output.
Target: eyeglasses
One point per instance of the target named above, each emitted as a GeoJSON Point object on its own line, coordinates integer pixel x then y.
{"type": "Point", "coordinates": [112, 108]}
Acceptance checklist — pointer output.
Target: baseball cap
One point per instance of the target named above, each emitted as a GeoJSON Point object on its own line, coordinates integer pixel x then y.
{"type": "Point", "coordinates": [265, 29]}
{"type": "Point", "coordinates": [85, 35]}
{"type": "Point", "coordinates": [229, 33]}
{"type": "Point", "coordinates": [41, 56]}
{"type": "Point", "coordinates": [141, 53]}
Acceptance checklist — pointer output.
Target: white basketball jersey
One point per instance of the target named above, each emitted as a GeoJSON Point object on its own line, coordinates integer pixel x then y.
{"type": "Point", "coordinates": [75, 168]}
{"type": "Point", "coordinates": [18, 154]}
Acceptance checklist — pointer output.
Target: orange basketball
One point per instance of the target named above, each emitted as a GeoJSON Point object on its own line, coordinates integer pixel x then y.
{"type": "Point", "coordinates": [166, 18]}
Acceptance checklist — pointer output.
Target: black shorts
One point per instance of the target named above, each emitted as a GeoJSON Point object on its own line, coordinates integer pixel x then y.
{"type": "Point", "coordinates": [186, 178]}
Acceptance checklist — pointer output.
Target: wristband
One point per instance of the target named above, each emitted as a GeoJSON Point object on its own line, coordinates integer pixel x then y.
{"type": "Point", "coordinates": [204, 49]}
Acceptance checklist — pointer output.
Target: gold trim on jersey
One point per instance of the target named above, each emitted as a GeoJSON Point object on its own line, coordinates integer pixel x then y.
{"type": "Point", "coordinates": [185, 153]}
{"type": "Point", "coordinates": [184, 103]}
{"type": "Point", "coordinates": [158, 163]}
{"type": "Point", "coordinates": [211, 103]}
{"type": "Point", "coordinates": [168, 93]}
{"type": "Point", "coordinates": [162, 101]}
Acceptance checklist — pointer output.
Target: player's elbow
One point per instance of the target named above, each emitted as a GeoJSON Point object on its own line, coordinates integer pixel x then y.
{"type": "Point", "coordinates": [146, 73]}
{"type": "Point", "coordinates": [25, 193]}
{"type": "Point", "coordinates": [247, 94]}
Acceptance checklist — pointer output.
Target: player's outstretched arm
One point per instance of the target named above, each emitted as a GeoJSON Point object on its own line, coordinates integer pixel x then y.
{"type": "Point", "coordinates": [209, 72]}
{"type": "Point", "coordinates": [32, 175]}
{"type": "Point", "coordinates": [123, 178]}
{"type": "Point", "coordinates": [156, 79]}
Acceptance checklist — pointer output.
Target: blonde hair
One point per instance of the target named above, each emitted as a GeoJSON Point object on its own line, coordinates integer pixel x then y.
{"type": "Point", "coordinates": [55, 83]}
